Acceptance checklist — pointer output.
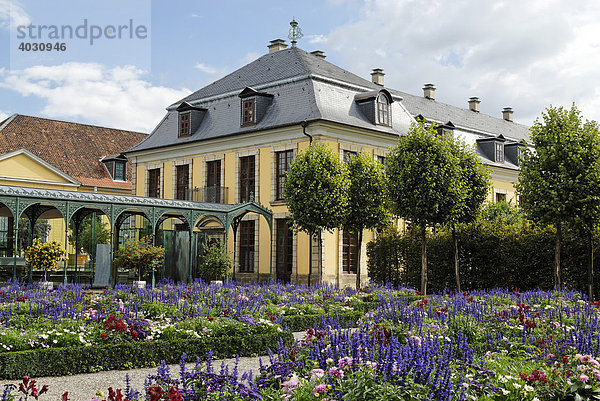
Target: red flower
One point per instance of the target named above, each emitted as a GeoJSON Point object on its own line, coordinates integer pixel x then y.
{"type": "Point", "coordinates": [103, 336]}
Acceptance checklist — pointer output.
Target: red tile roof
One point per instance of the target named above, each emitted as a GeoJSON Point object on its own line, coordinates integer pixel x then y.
{"type": "Point", "coordinates": [75, 149]}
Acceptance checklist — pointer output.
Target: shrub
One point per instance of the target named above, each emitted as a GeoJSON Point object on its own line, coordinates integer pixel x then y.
{"type": "Point", "coordinates": [140, 256]}
{"type": "Point", "coordinates": [73, 360]}
{"type": "Point", "coordinates": [44, 255]}
{"type": "Point", "coordinates": [215, 264]}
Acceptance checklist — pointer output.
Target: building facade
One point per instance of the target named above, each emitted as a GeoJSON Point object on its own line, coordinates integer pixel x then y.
{"type": "Point", "coordinates": [59, 155]}
{"type": "Point", "coordinates": [233, 140]}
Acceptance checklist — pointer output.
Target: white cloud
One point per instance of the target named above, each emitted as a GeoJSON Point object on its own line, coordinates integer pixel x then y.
{"type": "Point", "coordinates": [12, 11]}
{"type": "Point", "coordinates": [526, 55]}
{"type": "Point", "coordinates": [4, 115]}
{"type": "Point", "coordinates": [116, 97]}
{"type": "Point", "coordinates": [315, 39]}
{"type": "Point", "coordinates": [248, 58]}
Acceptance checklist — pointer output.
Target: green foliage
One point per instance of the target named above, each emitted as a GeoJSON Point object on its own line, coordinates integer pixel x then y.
{"type": "Point", "coordinates": [424, 177]}
{"type": "Point", "coordinates": [140, 256]}
{"type": "Point", "coordinates": [316, 189]}
{"type": "Point", "coordinates": [85, 234]}
{"type": "Point", "coordinates": [305, 322]}
{"type": "Point", "coordinates": [44, 255]}
{"type": "Point", "coordinates": [475, 178]}
{"type": "Point", "coordinates": [73, 360]}
{"type": "Point", "coordinates": [215, 264]}
{"type": "Point", "coordinates": [560, 176]}
{"type": "Point", "coordinates": [367, 194]}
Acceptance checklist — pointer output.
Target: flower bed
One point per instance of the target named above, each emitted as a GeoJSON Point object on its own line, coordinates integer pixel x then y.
{"type": "Point", "coordinates": [121, 323]}
{"type": "Point", "coordinates": [493, 345]}
{"type": "Point", "coordinates": [484, 345]}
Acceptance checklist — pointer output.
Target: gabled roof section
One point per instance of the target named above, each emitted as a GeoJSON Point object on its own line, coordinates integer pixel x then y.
{"type": "Point", "coordinates": [40, 161]}
{"type": "Point", "coordinates": [371, 95]}
{"type": "Point", "coordinates": [248, 92]}
{"type": "Point", "coordinates": [72, 148]}
{"type": "Point", "coordinates": [185, 106]}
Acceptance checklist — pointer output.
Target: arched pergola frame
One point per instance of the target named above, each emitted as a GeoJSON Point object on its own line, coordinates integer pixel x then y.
{"type": "Point", "coordinates": [74, 206]}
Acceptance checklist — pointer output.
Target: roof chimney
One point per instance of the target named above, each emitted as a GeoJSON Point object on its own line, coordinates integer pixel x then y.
{"type": "Point", "coordinates": [474, 104]}
{"type": "Point", "coordinates": [276, 45]}
{"type": "Point", "coordinates": [318, 53]}
{"type": "Point", "coordinates": [429, 91]}
{"type": "Point", "coordinates": [377, 76]}
{"type": "Point", "coordinates": [507, 114]}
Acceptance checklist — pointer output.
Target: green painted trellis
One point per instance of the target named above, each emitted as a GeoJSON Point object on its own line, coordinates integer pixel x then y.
{"type": "Point", "coordinates": [73, 206]}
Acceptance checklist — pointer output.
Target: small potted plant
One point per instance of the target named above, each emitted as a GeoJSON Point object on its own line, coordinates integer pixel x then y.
{"type": "Point", "coordinates": [215, 264]}
{"type": "Point", "coordinates": [44, 256]}
{"type": "Point", "coordinates": [140, 256]}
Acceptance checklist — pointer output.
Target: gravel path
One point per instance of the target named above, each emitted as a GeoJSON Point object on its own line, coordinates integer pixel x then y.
{"type": "Point", "coordinates": [83, 387]}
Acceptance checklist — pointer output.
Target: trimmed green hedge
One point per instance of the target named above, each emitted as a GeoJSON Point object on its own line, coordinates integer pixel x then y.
{"type": "Point", "coordinates": [73, 360]}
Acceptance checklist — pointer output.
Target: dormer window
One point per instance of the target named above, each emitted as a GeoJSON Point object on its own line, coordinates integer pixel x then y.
{"type": "Point", "coordinates": [248, 112]}
{"type": "Point", "coordinates": [383, 110]}
{"type": "Point", "coordinates": [184, 124]}
{"type": "Point", "coordinates": [445, 129]}
{"type": "Point", "coordinates": [499, 152]}
{"type": "Point", "coordinates": [115, 166]}
{"type": "Point", "coordinates": [190, 118]}
{"type": "Point", "coordinates": [254, 106]}
{"type": "Point", "coordinates": [375, 106]}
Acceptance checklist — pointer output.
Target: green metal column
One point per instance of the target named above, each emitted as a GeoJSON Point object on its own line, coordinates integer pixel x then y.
{"type": "Point", "coordinates": [16, 238]}
{"type": "Point", "coordinates": [66, 217]}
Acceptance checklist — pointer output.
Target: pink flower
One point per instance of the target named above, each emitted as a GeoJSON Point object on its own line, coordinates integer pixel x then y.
{"type": "Point", "coordinates": [315, 373]}
{"type": "Point", "coordinates": [336, 372]}
{"type": "Point", "coordinates": [290, 385]}
{"type": "Point", "coordinates": [584, 378]}
{"type": "Point", "coordinates": [319, 389]}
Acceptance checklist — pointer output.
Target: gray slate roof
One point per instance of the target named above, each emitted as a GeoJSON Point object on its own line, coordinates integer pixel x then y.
{"type": "Point", "coordinates": [308, 88]}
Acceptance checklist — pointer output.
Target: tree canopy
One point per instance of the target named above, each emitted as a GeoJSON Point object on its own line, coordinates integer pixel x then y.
{"type": "Point", "coordinates": [424, 178]}
{"type": "Point", "coordinates": [559, 182]}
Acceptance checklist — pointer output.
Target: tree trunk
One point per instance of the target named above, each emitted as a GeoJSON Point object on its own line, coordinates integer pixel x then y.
{"type": "Point", "coordinates": [358, 269]}
{"type": "Point", "coordinates": [456, 267]}
{"type": "Point", "coordinates": [424, 260]}
{"type": "Point", "coordinates": [320, 262]}
{"type": "Point", "coordinates": [591, 266]}
{"type": "Point", "coordinates": [557, 282]}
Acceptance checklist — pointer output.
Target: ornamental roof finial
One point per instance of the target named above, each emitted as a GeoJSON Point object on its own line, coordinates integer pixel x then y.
{"type": "Point", "coordinates": [295, 32]}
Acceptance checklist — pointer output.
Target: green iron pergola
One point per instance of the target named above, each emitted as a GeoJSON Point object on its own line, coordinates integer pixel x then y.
{"type": "Point", "coordinates": [73, 206]}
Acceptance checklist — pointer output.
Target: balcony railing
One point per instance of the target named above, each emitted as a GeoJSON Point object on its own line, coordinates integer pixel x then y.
{"type": "Point", "coordinates": [207, 194]}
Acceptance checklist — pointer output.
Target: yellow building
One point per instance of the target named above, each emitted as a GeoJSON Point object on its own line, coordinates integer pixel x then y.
{"type": "Point", "coordinates": [50, 154]}
{"type": "Point", "coordinates": [234, 139]}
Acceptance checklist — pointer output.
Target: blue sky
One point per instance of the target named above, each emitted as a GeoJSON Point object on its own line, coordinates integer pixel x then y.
{"type": "Point", "coordinates": [526, 55]}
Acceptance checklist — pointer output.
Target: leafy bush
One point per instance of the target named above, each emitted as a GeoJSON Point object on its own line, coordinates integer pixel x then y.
{"type": "Point", "coordinates": [44, 255]}
{"type": "Point", "coordinates": [215, 264]}
{"type": "Point", "coordinates": [73, 360]}
{"type": "Point", "coordinates": [500, 249]}
{"type": "Point", "coordinates": [140, 256]}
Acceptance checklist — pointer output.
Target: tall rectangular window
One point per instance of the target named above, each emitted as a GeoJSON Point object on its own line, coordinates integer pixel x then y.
{"type": "Point", "coordinates": [184, 124]}
{"type": "Point", "coordinates": [247, 181]}
{"type": "Point", "coordinates": [381, 160]}
{"type": "Point", "coordinates": [183, 179]}
{"type": "Point", "coordinates": [350, 252]}
{"type": "Point", "coordinates": [154, 183]}
{"type": "Point", "coordinates": [120, 171]}
{"type": "Point", "coordinates": [283, 160]}
{"type": "Point", "coordinates": [247, 246]}
{"type": "Point", "coordinates": [284, 251]}
{"type": "Point", "coordinates": [213, 182]}
{"type": "Point", "coordinates": [499, 152]}
{"type": "Point", "coordinates": [500, 197]}
{"type": "Point", "coordinates": [248, 112]}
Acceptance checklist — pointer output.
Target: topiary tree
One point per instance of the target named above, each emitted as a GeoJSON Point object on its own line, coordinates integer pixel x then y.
{"type": "Point", "coordinates": [475, 180]}
{"type": "Point", "coordinates": [559, 177]}
{"type": "Point", "coordinates": [140, 256]}
{"type": "Point", "coordinates": [424, 181]}
{"type": "Point", "coordinates": [85, 238]}
{"type": "Point", "coordinates": [215, 264]}
{"type": "Point", "coordinates": [44, 255]}
{"type": "Point", "coordinates": [316, 192]}
{"type": "Point", "coordinates": [367, 199]}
